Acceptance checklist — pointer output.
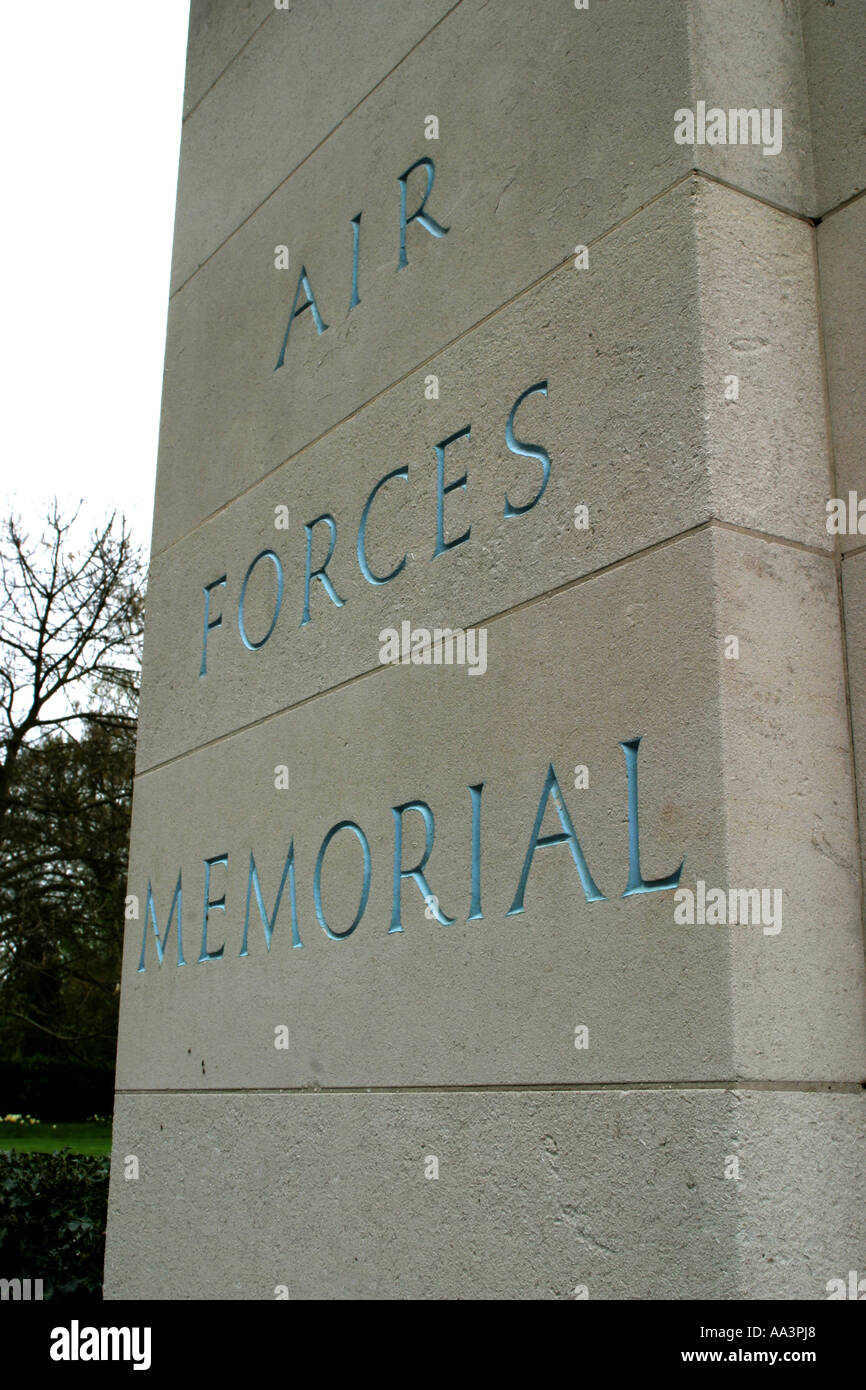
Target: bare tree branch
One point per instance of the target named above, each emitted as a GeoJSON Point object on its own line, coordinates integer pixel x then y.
{"type": "Point", "coordinates": [70, 631]}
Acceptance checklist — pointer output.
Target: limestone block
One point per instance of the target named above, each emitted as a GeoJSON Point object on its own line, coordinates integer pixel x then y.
{"type": "Point", "coordinates": [539, 1195]}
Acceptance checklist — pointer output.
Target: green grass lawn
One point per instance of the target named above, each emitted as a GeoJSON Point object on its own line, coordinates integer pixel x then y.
{"type": "Point", "coordinates": [88, 1137]}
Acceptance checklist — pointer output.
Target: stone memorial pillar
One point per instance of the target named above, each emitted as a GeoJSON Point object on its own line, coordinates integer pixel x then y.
{"type": "Point", "coordinates": [495, 915]}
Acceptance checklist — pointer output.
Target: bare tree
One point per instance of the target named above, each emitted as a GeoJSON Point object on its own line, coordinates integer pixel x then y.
{"type": "Point", "coordinates": [70, 632]}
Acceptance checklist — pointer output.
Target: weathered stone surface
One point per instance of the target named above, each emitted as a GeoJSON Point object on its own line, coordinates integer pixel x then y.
{"type": "Point", "coordinates": [802, 1164]}
{"type": "Point", "coordinates": [748, 55]}
{"type": "Point", "coordinates": [834, 36]}
{"type": "Point", "coordinates": [788, 782]}
{"type": "Point", "coordinates": [538, 1194]}
{"type": "Point", "coordinates": [842, 262]}
{"type": "Point", "coordinates": [767, 451]}
{"type": "Point", "coordinates": [854, 591]}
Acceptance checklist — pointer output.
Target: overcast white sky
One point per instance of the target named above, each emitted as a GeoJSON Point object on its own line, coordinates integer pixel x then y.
{"type": "Point", "coordinates": [91, 104]}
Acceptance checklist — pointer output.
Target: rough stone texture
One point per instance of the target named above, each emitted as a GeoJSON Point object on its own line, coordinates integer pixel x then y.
{"type": "Point", "coordinates": [803, 1168]}
{"type": "Point", "coordinates": [797, 996]}
{"type": "Point", "coordinates": [835, 45]}
{"type": "Point", "coordinates": [766, 454]}
{"type": "Point", "coordinates": [842, 261]}
{"type": "Point", "coordinates": [538, 1193]}
{"type": "Point", "coordinates": [854, 591]}
{"type": "Point", "coordinates": [749, 54]}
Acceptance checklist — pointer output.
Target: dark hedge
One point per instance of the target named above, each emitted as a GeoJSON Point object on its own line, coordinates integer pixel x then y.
{"type": "Point", "coordinates": [52, 1221]}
